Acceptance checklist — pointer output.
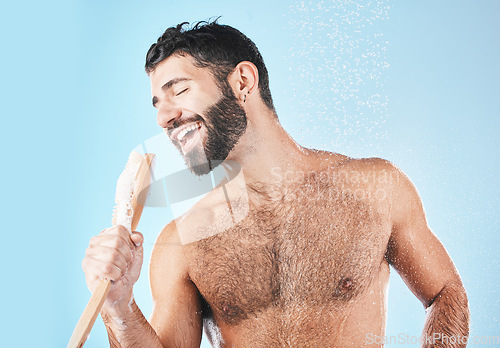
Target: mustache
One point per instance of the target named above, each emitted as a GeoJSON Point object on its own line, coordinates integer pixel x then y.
{"type": "Point", "coordinates": [179, 122]}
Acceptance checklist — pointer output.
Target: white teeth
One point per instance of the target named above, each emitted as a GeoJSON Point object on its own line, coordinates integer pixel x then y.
{"type": "Point", "coordinates": [183, 132]}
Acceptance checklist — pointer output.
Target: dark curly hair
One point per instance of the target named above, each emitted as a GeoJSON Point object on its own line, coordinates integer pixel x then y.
{"type": "Point", "coordinates": [216, 46]}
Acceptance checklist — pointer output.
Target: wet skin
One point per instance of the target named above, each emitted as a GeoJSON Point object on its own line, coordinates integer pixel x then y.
{"type": "Point", "coordinates": [305, 267]}
{"type": "Point", "coordinates": [308, 264]}
{"type": "Point", "coordinates": [293, 252]}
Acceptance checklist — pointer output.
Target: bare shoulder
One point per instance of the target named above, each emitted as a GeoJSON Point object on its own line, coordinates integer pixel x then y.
{"type": "Point", "coordinates": [167, 251]}
{"type": "Point", "coordinates": [216, 212]}
{"type": "Point", "coordinates": [386, 173]}
{"type": "Point", "coordinates": [325, 160]}
{"type": "Point", "coordinates": [373, 179]}
{"type": "Point", "coordinates": [168, 235]}
{"type": "Point", "coordinates": [173, 235]}
{"type": "Point", "coordinates": [377, 175]}
{"type": "Point", "coordinates": [370, 164]}
{"type": "Point", "coordinates": [388, 184]}
{"type": "Point", "coordinates": [329, 158]}
{"type": "Point", "coordinates": [378, 169]}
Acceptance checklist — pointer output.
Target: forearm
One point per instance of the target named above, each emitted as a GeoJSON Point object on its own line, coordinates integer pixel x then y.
{"type": "Point", "coordinates": [129, 328]}
{"type": "Point", "coordinates": [447, 321]}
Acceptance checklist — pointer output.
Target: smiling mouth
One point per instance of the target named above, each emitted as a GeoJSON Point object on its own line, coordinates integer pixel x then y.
{"type": "Point", "coordinates": [186, 135]}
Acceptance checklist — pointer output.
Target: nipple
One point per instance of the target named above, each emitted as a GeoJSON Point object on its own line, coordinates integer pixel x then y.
{"type": "Point", "coordinates": [347, 284]}
{"type": "Point", "coordinates": [345, 289]}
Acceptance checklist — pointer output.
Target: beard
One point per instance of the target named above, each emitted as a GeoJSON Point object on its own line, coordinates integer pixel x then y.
{"type": "Point", "coordinates": [225, 122]}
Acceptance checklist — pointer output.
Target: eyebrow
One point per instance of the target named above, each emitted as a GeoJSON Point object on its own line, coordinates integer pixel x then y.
{"type": "Point", "coordinates": [170, 84]}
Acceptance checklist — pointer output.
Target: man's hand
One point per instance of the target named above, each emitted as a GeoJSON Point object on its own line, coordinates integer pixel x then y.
{"type": "Point", "coordinates": [115, 255]}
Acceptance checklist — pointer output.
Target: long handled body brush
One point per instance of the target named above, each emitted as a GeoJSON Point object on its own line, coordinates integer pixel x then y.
{"type": "Point", "coordinates": [131, 192]}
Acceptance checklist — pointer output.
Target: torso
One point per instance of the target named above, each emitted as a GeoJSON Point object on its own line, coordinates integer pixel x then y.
{"type": "Point", "coordinates": [304, 268]}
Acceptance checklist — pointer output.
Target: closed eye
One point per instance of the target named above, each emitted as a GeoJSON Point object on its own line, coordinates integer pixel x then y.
{"type": "Point", "coordinates": [184, 90]}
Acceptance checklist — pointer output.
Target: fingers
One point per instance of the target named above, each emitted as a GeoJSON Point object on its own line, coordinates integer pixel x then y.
{"type": "Point", "coordinates": [110, 254]}
{"type": "Point", "coordinates": [137, 238]}
{"type": "Point", "coordinates": [117, 231]}
{"type": "Point", "coordinates": [104, 244]}
{"type": "Point", "coordinates": [97, 269]}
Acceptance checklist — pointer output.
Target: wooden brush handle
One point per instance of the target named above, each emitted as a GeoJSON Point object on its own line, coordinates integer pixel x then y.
{"type": "Point", "coordinates": [89, 315]}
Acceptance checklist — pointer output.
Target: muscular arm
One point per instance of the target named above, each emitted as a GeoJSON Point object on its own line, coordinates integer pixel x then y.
{"type": "Point", "coordinates": [129, 328]}
{"type": "Point", "coordinates": [176, 316]}
{"type": "Point", "coordinates": [176, 319]}
{"type": "Point", "coordinates": [427, 269]}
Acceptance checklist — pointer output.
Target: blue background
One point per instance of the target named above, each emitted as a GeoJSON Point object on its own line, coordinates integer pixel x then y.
{"type": "Point", "coordinates": [415, 82]}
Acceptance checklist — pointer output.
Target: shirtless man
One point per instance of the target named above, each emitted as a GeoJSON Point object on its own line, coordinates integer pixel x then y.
{"type": "Point", "coordinates": [297, 256]}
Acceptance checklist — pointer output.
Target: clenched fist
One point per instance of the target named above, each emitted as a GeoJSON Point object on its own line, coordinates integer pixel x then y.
{"type": "Point", "coordinates": [115, 255]}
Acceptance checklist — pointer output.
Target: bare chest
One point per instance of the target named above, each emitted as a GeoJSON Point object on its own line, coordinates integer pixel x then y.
{"type": "Point", "coordinates": [320, 249]}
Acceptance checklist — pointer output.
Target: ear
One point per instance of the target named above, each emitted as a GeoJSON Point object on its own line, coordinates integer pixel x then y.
{"type": "Point", "coordinates": [244, 80]}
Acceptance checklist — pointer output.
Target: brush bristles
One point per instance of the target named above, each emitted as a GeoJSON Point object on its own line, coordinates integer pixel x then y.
{"type": "Point", "coordinates": [123, 211]}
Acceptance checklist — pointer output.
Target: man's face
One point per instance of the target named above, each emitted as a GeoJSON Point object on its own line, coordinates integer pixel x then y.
{"type": "Point", "coordinates": [202, 120]}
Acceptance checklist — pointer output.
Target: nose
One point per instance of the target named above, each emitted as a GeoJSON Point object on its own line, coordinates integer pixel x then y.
{"type": "Point", "coordinates": [167, 114]}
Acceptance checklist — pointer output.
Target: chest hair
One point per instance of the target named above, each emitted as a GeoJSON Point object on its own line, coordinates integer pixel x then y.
{"type": "Point", "coordinates": [315, 245]}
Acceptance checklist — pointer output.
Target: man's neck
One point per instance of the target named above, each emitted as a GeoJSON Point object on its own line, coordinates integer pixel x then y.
{"type": "Point", "coordinates": [266, 151]}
